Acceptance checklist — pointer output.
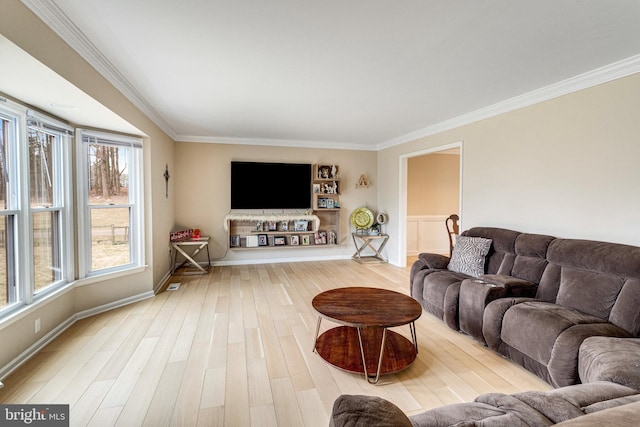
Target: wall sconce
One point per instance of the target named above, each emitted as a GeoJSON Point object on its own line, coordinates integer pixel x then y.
{"type": "Point", "coordinates": [363, 182]}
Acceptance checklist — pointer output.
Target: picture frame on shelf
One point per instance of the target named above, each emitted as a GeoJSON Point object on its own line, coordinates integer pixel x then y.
{"type": "Point", "coordinates": [235, 241]}
{"type": "Point", "coordinates": [279, 240]}
{"type": "Point", "coordinates": [294, 240]}
{"type": "Point", "coordinates": [252, 241]}
{"type": "Point", "coordinates": [306, 240]}
{"type": "Point", "coordinates": [330, 203]}
{"type": "Point", "coordinates": [284, 225]}
{"type": "Point", "coordinates": [262, 240]}
{"type": "Point", "coordinates": [320, 237]}
{"type": "Point", "coordinates": [324, 172]}
{"type": "Point", "coordinates": [273, 225]}
{"type": "Point", "coordinates": [316, 188]}
{"type": "Point", "coordinates": [300, 225]}
{"type": "Point", "coordinates": [322, 203]}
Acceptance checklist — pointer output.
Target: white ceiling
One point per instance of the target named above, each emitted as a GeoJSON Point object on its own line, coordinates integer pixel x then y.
{"type": "Point", "coordinates": [337, 73]}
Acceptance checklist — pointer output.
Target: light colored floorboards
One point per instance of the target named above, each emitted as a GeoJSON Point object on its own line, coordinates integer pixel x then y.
{"type": "Point", "coordinates": [234, 348]}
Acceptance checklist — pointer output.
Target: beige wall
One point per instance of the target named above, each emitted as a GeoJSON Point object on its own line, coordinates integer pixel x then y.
{"type": "Point", "coordinates": [203, 181]}
{"type": "Point", "coordinates": [433, 184]}
{"type": "Point", "coordinates": [25, 30]}
{"type": "Point", "coordinates": [566, 167]}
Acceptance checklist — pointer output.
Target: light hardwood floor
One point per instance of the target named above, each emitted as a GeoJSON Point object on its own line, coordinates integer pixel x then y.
{"type": "Point", "coordinates": [234, 348]}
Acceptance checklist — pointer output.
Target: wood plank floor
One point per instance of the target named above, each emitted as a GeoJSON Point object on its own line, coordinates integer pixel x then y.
{"type": "Point", "coordinates": [234, 348]}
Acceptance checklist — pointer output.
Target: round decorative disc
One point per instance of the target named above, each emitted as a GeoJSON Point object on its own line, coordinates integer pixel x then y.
{"type": "Point", "coordinates": [362, 218]}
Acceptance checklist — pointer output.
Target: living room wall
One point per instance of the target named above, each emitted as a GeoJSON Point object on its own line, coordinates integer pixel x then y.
{"type": "Point", "coordinates": [203, 182]}
{"type": "Point", "coordinates": [565, 167]}
{"type": "Point", "coordinates": [24, 29]}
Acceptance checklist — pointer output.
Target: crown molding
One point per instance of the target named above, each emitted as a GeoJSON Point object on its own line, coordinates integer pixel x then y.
{"type": "Point", "coordinates": [616, 70]}
{"type": "Point", "coordinates": [275, 142]}
{"type": "Point", "coordinates": [60, 23]}
{"type": "Point", "coordinates": [55, 18]}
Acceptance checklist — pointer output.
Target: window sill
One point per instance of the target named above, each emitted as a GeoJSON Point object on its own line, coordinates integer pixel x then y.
{"type": "Point", "coordinates": [109, 276]}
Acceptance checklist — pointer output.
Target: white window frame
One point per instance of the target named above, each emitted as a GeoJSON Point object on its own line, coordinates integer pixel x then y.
{"type": "Point", "coordinates": [136, 200]}
{"type": "Point", "coordinates": [21, 270]}
{"type": "Point", "coordinates": [63, 195]}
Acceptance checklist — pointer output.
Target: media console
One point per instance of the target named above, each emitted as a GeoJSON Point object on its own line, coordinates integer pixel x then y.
{"type": "Point", "coordinates": [317, 227]}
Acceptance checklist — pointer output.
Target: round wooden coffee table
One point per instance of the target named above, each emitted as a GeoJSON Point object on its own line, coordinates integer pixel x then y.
{"type": "Point", "coordinates": [364, 344]}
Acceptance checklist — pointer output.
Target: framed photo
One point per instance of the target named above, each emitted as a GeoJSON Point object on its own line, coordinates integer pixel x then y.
{"type": "Point", "coordinates": [259, 226]}
{"type": "Point", "coordinates": [306, 240]}
{"type": "Point", "coordinates": [273, 225]}
{"type": "Point", "coordinates": [316, 188]}
{"type": "Point", "coordinates": [300, 225]}
{"type": "Point", "coordinates": [235, 241]}
{"type": "Point", "coordinates": [262, 240]}
{"type": "Point", "coordinates": [295, 240]}
{"type": "Point", "coordinates": [284, 226]}
{"type": "Point", "coordinates": [320, 238]}
{"type": "Point", "coordinates": [279, 241]}
{"type": "Point", "coordinates": [322, 202]}
{"type": "Point", "coordinates": [324, 172]}
{"type": "Point", "coordinates": [330, 204]}
{"type": "Point", "coordinates": [252, 241]}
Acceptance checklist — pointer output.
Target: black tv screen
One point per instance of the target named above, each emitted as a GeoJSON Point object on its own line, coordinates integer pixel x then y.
{"type": "Point", "coordinates": [256, 185]}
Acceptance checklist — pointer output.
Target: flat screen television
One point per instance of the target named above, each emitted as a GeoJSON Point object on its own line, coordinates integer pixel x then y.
{"type": "Point", "coordinates": [256, 185]}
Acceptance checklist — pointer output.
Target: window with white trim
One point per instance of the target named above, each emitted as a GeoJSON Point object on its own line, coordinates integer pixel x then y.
{"type": "Point", "coordinates": [36, 250]}
{"type": "Point", "coordinates": [111, 217]}
{"type": "Point", "coordinates": [49, 183]}
{"type": "Point", "coordinates": [8, 209]}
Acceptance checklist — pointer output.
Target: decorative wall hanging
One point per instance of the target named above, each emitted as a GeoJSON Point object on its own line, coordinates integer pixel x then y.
{"type": "Point", "coordinates": [363, 182]}
{"type": "Point", "coordinates": [166, 180]}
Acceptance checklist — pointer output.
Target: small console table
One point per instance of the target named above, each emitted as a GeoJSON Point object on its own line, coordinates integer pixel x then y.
{"type": "Point", "coordinates": [363, 241]}
{"type": "Point", "coordinates": [196, 245]}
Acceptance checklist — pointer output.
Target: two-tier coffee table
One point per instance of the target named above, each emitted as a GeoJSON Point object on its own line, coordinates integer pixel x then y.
{"type": "Point", "coordinates": [364, 344]}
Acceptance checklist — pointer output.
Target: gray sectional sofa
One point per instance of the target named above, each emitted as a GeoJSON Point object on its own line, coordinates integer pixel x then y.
{"type": "Point", "coordinates": [567, 310]}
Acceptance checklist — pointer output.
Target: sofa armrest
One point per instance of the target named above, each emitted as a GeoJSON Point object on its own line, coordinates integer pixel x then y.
{"type": "Point", "coordinates": [475, 294]}
{"type": "Point", "coordinates": [612, 359]}
{"type": "Point", "coordinates": [434, 261]}
{"type": "Point", "coordinates": [360, 410]}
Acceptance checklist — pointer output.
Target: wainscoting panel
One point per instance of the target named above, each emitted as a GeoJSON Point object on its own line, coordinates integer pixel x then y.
{"type": "Point", "coordinates": [427, 233]}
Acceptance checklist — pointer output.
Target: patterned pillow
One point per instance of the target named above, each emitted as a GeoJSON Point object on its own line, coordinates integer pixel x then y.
{"type": "Point", "coordinates": [469, 255]}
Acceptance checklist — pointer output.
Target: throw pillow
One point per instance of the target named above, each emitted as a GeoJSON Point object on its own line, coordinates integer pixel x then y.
{"type": "Point", "coordinates": [469, 255]}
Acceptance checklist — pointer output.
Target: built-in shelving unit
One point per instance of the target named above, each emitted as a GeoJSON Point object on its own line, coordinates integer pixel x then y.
{"type": "Point", "coordinates": [319, 228]}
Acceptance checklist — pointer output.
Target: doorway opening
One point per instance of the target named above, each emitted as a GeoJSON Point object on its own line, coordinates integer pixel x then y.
{"type": "Point", "coordinates": [430, 191]}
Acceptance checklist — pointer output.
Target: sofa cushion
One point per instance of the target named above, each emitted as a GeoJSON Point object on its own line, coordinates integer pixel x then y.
{"type": "Point", "coordinates": [589, 292]}
{"type": "Point", "coordinates": [533, 327]}
{"type": "Point", "coordinates": [530, 260]}
{"type": "Point", "coordinates": [502, 253]}
{"type": "Point", "coordinates": [366, 411]}
{"type": "Point", "coordinates": [625, 311]}
{"type": "Point", "coordinates": [469, 255]}
{"type": "Point", "coordinates": [489, 410]}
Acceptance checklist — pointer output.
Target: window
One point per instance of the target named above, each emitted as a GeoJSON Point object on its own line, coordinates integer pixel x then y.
{"type": "Point", "coordinates": [49, 194]}
{"type": "Point", "coordinates": [8, 213]}
{"type": "Point", "coordinates": [111, 219]}
{"type": "Point", "coordinates": [36, 250]}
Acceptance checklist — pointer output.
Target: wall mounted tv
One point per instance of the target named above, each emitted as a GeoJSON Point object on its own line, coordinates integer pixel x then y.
{"type": "Point", "coordinates": [256, 185]}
